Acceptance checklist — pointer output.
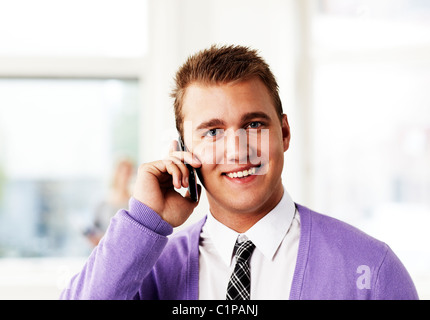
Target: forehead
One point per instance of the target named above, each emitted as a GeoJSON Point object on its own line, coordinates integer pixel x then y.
{"type": "Point", "coordinates": [227, 101]}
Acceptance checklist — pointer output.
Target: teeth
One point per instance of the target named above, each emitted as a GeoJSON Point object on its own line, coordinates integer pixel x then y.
{"type": "Point", "coordinates": [241, 174]}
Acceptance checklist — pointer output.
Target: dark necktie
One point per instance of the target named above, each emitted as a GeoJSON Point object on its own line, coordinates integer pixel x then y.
{"type": "Point", "coordinates": [239, 286]}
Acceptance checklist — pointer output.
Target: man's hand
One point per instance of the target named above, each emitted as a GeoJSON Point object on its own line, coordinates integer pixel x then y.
{"type": "Point", "coordinates": [156, 183]}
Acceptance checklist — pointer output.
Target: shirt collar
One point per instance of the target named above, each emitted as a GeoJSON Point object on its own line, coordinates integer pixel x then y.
{"type": "Point", "coordinates": [267, 234]}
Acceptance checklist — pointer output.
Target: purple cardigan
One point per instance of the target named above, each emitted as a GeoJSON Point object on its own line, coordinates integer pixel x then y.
{"type": "Point", "coordinates": [136, 260]}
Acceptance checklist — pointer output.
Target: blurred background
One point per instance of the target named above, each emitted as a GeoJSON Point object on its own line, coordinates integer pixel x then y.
{"type": "Point", "coordinates": [84, 99]}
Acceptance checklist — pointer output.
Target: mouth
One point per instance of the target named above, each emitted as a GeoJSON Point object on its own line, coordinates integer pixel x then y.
{"type": "Point", "coordinates": [242, 172]}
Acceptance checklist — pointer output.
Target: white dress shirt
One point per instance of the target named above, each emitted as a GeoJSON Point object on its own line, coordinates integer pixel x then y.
{"type": "Point", "coordinates": [276, 238]}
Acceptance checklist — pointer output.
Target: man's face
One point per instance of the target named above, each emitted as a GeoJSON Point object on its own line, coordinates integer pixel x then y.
{"type": "Point", "coordinates": [235, 131]}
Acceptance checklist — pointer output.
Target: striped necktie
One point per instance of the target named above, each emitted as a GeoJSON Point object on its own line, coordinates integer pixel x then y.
{"type": "Point", "coordinates": [239, 286]}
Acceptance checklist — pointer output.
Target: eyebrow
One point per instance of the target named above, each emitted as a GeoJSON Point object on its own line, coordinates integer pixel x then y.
{"type": "Point", "coordinates": [216, 122]}
{"type": "Point", "coordinates": [255, 115]}
{"type": "Point", "coordinates": [211, 123]}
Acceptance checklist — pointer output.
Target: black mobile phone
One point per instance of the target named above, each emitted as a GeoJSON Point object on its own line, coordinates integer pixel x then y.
{"type": "Point", "coordinates": [192, 182]}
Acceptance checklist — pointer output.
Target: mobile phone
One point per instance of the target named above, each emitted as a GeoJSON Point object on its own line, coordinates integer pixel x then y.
{"type": "Point", "coordinates": [192, 182]}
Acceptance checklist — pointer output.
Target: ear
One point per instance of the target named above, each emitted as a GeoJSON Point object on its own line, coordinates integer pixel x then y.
{"type": "Point", "coordinates": [286, 134]}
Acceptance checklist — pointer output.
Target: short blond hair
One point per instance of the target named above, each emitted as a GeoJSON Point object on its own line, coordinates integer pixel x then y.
{"type": "Point", "coordinates": [225, 64]}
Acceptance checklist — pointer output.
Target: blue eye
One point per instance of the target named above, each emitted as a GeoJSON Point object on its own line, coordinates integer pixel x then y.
{"type": "Point", "coordinates": [213, 132]}
{"type": "Point", "coordinates": [255, 125]}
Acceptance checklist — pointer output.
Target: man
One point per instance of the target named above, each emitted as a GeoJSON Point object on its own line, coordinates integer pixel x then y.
{"type": "Point", "coordinates": [255, 242]}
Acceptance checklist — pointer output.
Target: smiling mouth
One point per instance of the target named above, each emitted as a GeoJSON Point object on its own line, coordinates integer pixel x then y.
{"type": "Point", "coordinates": [242, 173]}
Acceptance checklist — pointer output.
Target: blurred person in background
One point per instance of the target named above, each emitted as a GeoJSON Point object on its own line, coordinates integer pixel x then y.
{"type": "Point", "coordinates": [118, 197]}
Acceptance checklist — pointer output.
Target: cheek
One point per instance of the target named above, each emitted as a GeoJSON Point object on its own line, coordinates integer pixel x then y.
{"type": "Point", "coordinates": [209, 153]}
{"type": "Point", "coordinates": [206, 176]}
{"type": "Point", "coordinates": [206, 170]}
{"type": "Point", "coordinates": [259, 142]}
{"type": "Point", "coordinates": [259, 146]}
{"type": "Point", "coordinates": [276, 150]}
{"type": "Point", "coordinates": [271, 151]}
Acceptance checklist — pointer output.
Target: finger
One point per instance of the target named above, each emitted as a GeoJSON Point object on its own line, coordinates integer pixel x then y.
{"type": "Point", "coordinates": [187, 157]}
{"type": "Point", "coordinates": [183, 167]}
{"type": "Point", "coordinates": [179, 158]}
{"type": "Point", "coordinates": [180, 178]}
{"type": "Point", "coordinates": [173, 169]}
{"type": "Point", "coordinates": [174, 146]}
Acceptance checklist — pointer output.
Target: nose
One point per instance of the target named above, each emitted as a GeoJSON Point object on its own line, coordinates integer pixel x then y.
{"type": "Point", "coordinates": [236, 146]}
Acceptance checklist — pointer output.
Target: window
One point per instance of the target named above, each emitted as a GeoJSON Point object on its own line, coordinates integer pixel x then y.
{"type": "Point", "coordinates": [60, 141]}
{"type": "Point", "coordinates": [70, 100]}
{"type": "Point", "coordinates": [70, 75]}
{"type": "Point", "coordinates": [372, 121]}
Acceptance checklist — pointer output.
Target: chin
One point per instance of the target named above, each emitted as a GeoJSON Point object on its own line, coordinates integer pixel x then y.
{"type": "Point", "coordinates": [239, 203]}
